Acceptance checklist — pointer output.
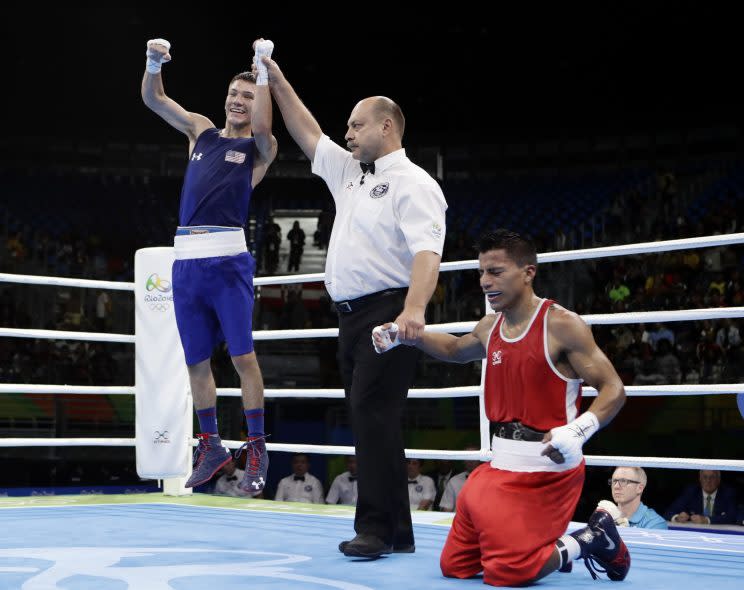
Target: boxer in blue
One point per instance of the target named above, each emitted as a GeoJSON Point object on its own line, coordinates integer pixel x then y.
{"type": "Point", "coordinates": [213, 271]}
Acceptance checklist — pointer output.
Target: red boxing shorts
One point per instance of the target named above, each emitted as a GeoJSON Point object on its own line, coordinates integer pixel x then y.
{"type": "Point", "coordinates": [507, 523]}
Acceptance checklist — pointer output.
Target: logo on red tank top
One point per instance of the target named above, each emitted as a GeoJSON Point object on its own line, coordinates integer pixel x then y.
{"type": "Point", "coordinates": [496, 358]}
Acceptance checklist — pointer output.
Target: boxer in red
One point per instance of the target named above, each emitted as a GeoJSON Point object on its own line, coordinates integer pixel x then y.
{"type": "Point", "coordinates": [512, 514]}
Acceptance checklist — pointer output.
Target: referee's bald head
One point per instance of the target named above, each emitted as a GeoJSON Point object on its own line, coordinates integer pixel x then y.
{"type": "Point", "coordinates": [386, 108]}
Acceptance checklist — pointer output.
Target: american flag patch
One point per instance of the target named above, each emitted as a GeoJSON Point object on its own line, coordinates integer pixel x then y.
{"type": "Point", "coordinates": [234, 157]}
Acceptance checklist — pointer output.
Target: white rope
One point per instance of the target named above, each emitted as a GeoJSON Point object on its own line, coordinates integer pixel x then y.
{"type": "Point", "coordinates": [65, 282]}
{"type": "Point", "coordinates": [638, 317]}
{"type": "Point", "coordinates": [665, 462]}
{"type": "Point", "coordinates": [74, 389]}
{"type": "Point", "coordinates": [417, 393]}
{"type": "Point", "coordinates": [66, 442]}
{"type": "Point", "coordinates": [593, 460]}
{"type": "Point", "coordinates": [643, 248]}
{"type": "Point", "coordinates": [63, 335]}
{"type": "Point", "coordinates": [295, 334]}
{"type": "Point", "coordinates": [674, 390]}
{"type": "Point", "coordinates": [608, 251]}
{"type": "Point", "coordinates": [422, 393]}
{"type": "Point", "coordinates": [485, 455]}
{"type": "Point", "coordinates": [583, 254]}
{"type": "Point", "coordinates": [315, 277]}
{"type": "Point", "coordinates": [474, 391]}
{"type": "Point", "coordinates": [682, 315]}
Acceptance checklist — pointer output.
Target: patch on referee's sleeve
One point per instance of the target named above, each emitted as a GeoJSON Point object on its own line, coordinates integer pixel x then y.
{"type": "Point", "coordinates": [436, 230]}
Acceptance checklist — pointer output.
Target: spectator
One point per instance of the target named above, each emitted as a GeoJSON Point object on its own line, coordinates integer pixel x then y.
{"type": "Point", "coordinates": [718, 284]}
{"type": "Point", "coordinates": [421, 488]}
{"type": "Point", "coordinates": [667, 364]}
{"type": "Point", "coordinates": [272, 243]}
{"type": "Point", "coordinates": [449, 497]}
{"type": "Point", "coordinates": [622, 335]}
{"type": "Point", "coordinates": [296, 237]}
{"type": "Point", "coordinates": [103, 311]}
{"type": "Point", "coordinates": [627, 485]}
{"type": "Point", "coordinates": [344, 487]}
{"type": "Point", "coordinates": [618, 292]}
{"type": "Point", "coordinates": [301, 486]}
{"type": "Point", "coordinates": [660, 332]}
{"type": "Point", "coordinates": [708, 353]}
{"type": "Point", "coordinates": [441, 476]}
{"type": "Point", "coordinates": [728, 336]}
{"type": "Point", "coordinates": [707, 503]}
{"type": "Point", "coordinates": [325, 225]}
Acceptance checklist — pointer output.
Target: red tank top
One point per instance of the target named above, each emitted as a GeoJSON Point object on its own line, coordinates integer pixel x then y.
{"type": "Point", "coordinates": [522, 384]}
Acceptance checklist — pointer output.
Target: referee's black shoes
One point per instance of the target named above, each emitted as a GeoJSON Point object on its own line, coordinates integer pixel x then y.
{"type": "Point", "coordinates": [371, 547]}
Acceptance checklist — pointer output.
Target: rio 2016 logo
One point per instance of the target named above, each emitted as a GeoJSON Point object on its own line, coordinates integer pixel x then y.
{"type": "Point", "coordinates": [160, 293]}
{"type": "Point", "coordinates": [154, 282]}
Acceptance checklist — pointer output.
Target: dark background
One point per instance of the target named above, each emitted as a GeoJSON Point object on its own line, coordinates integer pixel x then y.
{"type": "Point", "coordinates": [476, 75]}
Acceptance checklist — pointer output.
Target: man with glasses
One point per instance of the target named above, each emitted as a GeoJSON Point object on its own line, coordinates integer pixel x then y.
{"type": "Point", "coordinates": [627, 484]}
{"type": "Point", "coordinates": [707, 503]}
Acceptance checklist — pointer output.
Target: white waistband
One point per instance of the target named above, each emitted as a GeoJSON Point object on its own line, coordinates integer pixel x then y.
{"type": "Point", "coordinates": [207, 245]}
{"type": "Point", "coordinates": [522, 455]}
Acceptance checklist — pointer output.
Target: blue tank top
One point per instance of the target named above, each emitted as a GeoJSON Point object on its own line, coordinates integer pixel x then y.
{"type": "Point", "coordinates": [217, 185]}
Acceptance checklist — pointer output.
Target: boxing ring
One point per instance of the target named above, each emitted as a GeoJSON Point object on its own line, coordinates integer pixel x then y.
{"type": "Point", "coordinates": [181, 541]}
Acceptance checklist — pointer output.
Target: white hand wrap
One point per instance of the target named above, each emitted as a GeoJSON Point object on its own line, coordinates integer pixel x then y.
{"type": "Point", "coordinates": [155, 59]}
{"type": "Point", "coordinates": [569, 439]}
{"type": "Point", "coordinates": [388, 343]}
{"type": "Point", "coordinates": [612, 509]}
{"type": "Point", "coordinates": [262, 49]}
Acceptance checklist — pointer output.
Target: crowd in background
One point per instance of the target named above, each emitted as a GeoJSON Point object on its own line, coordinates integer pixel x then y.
{"type": "Point", "coordinates": [708, 351]}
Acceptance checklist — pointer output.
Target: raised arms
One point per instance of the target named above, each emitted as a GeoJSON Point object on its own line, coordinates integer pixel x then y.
{"type": "Point", "coordinates": [154, 97]}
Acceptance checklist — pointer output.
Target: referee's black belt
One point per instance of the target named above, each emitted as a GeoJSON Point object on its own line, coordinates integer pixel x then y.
{"type": "Point", "coordinates": [353, 305]}
{"type": "Point", "coordinates": [516, 431]}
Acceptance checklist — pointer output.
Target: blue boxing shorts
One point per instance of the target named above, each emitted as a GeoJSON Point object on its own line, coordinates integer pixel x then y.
{"type": "Point", "coordinates": [213, 301]}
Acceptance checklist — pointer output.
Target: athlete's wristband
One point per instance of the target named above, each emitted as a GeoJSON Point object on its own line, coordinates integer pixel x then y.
{"type": "Point", "coordinates": [262, 49]}
{"type": "Point", "coordinates": [155, 59]}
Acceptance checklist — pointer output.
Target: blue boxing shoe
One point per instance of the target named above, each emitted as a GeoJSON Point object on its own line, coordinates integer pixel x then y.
{"type": "Point", "coordinates": [210, 456]}
{"type": "Point", "coordinates": [602, 548]}
{"type": "Point", "coordinates": [256, 464]}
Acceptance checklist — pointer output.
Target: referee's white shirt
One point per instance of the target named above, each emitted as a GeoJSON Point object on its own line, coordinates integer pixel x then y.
{"type": "Point", "coordinates": [381, 223]}
{"type": "Point", "coordinates": [309, 490]}
{"type": "Point", "coordinates": [343, 490]}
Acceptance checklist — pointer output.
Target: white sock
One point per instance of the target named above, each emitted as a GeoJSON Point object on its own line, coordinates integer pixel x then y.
{"type": "Point", "coordinates": [571, 549]}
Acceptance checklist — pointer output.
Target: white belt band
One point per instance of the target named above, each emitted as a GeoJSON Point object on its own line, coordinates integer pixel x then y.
{"type": "Point", "coordinates": [524, 456]}
{"type": "Point", "coordinates": [208, 245]}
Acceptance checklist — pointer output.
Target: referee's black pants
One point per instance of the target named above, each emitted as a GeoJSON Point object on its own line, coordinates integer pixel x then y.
{"type": "Point", "coordinates": [376, 387]}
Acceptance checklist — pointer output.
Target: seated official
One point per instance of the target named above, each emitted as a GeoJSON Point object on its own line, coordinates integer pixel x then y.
{"type": "Point", "coordinates": [301, 486]}
{"type": "Point", "coordinates": [421, 488]}
{"type": "Point", "coordinates": [344, 487]}
{"type": "Point", "coordinates": [627, 485]}
{"type": "Point", "coordinates": [709, 502]}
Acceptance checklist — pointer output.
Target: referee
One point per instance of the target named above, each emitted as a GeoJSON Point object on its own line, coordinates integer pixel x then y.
{"type": "Point", "coordinates": [383, 262]}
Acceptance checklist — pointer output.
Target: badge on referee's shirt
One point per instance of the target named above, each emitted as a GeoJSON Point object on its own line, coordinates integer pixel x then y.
{"type": "Point", "coordinates": [380, 190]}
